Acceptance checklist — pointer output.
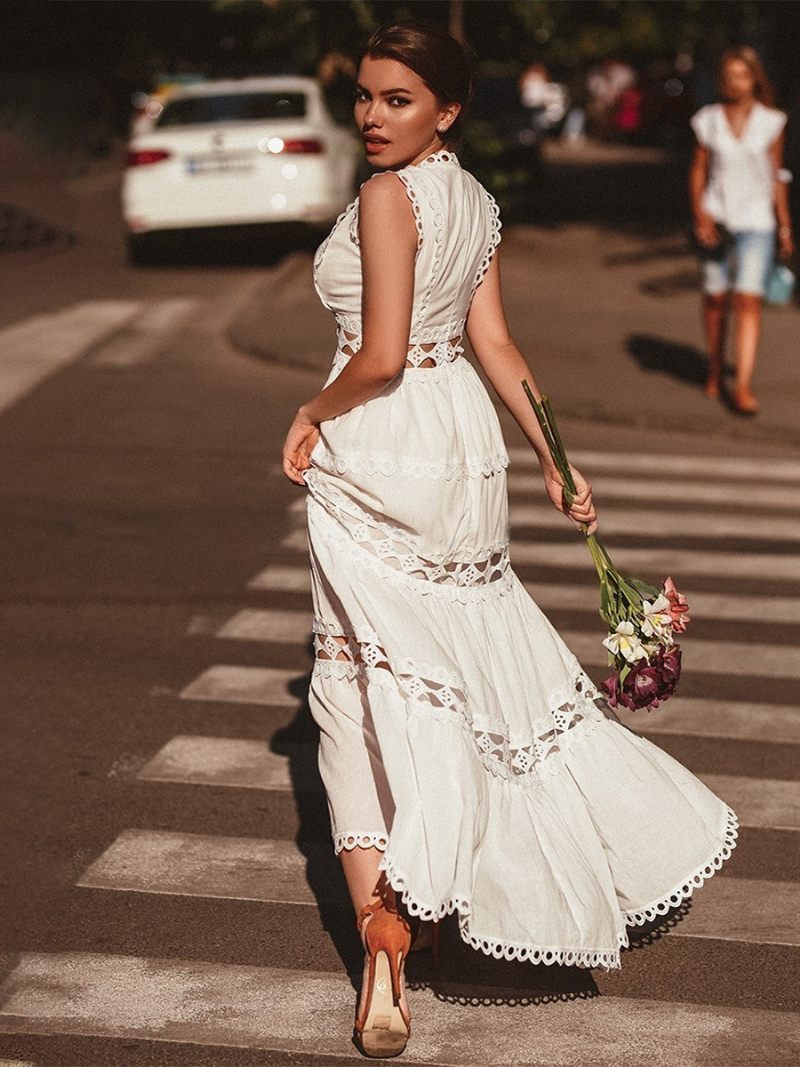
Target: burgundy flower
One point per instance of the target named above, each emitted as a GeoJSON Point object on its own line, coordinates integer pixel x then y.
{"type": "Point", "coordinates": [645, 683]}
{"type": "Point", "coordinates": [616, 694]}
{"type": "Point", "coordinates": [668, 664]}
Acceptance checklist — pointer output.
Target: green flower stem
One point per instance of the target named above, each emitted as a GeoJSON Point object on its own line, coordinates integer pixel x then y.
{"type": "Point", "coordinates": [615, 590]}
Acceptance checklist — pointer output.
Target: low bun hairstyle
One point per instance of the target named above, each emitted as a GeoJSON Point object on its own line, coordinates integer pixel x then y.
{"type": "Point", "coordinates": [443, 64]}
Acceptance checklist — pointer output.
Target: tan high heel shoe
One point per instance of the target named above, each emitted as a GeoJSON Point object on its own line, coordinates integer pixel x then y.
{"type": "Point", "coordinates": [383, 1028]}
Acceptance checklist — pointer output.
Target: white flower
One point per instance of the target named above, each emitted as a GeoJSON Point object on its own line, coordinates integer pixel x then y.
{"type": "Point", "coordinates": [625, 642]}
{"type": "Point", "coordinates": [656, 619]}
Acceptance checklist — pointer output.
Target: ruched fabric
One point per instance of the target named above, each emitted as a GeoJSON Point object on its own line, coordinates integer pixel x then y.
{"type": "Point", "coordinates": [459, 734]}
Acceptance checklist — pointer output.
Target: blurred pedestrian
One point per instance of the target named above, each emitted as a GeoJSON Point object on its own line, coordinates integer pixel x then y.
{"type": "Point", "coordinates": [740, 205]}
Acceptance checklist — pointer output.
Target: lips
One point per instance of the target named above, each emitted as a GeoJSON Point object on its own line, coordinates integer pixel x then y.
{"type": "Point", "coordinates": [375, 140]}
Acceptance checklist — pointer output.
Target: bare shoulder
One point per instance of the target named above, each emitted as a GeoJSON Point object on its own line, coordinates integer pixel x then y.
{"type": "Point", "coordinates": [384, 205]}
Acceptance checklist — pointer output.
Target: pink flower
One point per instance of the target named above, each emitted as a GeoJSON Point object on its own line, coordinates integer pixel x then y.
{"type": "Point", "coordinates": [678, 606]}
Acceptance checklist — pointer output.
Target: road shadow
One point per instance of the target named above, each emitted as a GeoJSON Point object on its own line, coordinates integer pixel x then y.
{"type": "Point", "coordinates": [684, 362]}
{"type": "Point", "coordinates": [231, 246]}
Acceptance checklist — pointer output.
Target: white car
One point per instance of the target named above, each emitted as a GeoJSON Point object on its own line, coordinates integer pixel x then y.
{"type": "Point", "coordinates": [238, 152]}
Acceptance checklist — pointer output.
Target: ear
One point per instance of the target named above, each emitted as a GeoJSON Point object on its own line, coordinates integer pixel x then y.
{"type": "Point", "coordinates": [448, 115]}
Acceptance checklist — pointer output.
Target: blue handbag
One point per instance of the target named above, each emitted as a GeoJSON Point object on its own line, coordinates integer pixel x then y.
{"type": "Point", "coordinates": [780, 284]}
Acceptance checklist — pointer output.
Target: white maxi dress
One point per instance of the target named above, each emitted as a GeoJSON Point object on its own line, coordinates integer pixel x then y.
{"type": "Point", "coordinates": [458, 732]}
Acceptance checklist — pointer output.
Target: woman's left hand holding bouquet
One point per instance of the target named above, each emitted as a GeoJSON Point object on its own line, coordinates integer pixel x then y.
{"type": "Point", "coordinates": [582, 509]}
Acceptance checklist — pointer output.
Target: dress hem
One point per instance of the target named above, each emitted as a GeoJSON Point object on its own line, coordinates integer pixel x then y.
{"type": "Point", "coordinates": [500, 949]}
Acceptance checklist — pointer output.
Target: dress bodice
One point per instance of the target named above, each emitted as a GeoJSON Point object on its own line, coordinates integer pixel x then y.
{"type": "Point", "coordinates": [458, 227]}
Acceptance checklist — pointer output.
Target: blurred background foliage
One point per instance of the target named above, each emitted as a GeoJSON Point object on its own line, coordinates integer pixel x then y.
{"type": "Point", "coordinates": [70, 67]}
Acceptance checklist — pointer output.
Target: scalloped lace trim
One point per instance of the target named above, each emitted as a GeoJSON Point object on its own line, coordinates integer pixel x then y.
{"type": "Point", "coordinates": [651, 911]}
{"type": "Point", "coordinates": [350, 839]}
{"type": "Point", "coordinates": [494, 240]}
{"type": "Point", "coordinates": [548, 954]}
{"type": "Point", "coordinates": [390, 464]}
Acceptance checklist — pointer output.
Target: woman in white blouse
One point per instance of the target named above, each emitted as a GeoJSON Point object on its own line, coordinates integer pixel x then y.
{"type": "Point", "coordinates": [737, 182]}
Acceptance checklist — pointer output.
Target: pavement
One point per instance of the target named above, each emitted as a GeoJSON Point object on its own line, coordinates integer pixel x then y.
{"type": "Point", "coordinates": [169, 891]}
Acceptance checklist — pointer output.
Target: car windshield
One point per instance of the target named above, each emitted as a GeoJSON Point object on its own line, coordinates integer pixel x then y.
{"type": "Point", "coordinates": [232, 107]}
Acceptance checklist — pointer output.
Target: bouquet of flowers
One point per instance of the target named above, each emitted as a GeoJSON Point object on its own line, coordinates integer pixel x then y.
{"type": "Point", "coordinates": [642, 620]}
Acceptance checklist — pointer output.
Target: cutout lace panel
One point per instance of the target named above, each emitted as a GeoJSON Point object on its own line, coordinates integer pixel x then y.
{"type": "Point", "coordinates": [338, 524]}
{"type": "Point", "coordinates": [574, 711]}
{"type": "Point", "coordinates": [430, 354]}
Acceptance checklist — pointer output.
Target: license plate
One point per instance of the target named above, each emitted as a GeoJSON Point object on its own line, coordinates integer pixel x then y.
{"type": "Point", "coordinates": [218, 164]}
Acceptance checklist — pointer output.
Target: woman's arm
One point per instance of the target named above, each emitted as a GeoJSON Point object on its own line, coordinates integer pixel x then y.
{"type": "Point", "coordinates": [388, 238]}
{"type": "Point", "coordinates": [505, 367]}
{"type": "Point", "coordinates": [704, 225]}
{"type": "Point", "coordinates": [781, 198]}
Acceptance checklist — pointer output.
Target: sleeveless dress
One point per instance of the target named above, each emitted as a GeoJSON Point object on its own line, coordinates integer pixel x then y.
{"type": "Point", "coordinates": [458, 732]}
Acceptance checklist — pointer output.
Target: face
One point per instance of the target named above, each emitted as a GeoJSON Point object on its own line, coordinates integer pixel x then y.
{"type": "Point", "coordinates": [736, 80]}
{"type": "Point", "coordinates": [397, 114]}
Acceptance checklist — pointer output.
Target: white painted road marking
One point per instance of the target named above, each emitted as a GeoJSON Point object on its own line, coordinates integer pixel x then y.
{"type": "Point", "coordinates": [657, 490]}
{"type": "Point", "coordinates": [706, 467]}
{"type": "Point", "coordinates": [265, 686]}
{"type": "Point", "coordinates": [142, 338]}
{"type": "Point", "coordinates": [273, 1009]}
{"type": "Point", "coordinates": [33, 349]}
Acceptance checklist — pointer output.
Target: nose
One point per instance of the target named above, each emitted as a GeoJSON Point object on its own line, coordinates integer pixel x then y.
{"type": "Point", "coordinates": [371, 115]}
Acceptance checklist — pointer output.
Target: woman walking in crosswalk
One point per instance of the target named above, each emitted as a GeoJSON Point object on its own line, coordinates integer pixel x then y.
{"type": "Point", "coordinates": [740, 206]}
{"type": "Point", "coordinates": [470, 764]}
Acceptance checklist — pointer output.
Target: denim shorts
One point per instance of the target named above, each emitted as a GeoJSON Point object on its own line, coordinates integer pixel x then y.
{"type": "Point", "coordinates": [744, 267]}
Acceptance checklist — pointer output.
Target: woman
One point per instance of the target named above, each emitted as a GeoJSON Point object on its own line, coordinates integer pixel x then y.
{"type": "Point", "coordinates": [737, 180]}
{"type": "Point", "coordinates": [469, 763]}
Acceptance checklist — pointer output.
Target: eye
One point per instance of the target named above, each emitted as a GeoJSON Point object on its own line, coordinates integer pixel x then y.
{"type": "Point", "coordinates": [361, 94]}
{"type": "Point", "coordinates": [401, 100]}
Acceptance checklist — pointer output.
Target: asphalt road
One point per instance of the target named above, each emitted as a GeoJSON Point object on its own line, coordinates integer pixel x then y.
{"type": "Point", "coordinates": [158, 761]}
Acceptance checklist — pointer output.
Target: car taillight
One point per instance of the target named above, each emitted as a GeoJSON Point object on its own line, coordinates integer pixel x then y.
{"type": "Point", "coordinates": [142, 156]}
{"type": "Point", "coordinates": [302, 145]}
{"type": "Point", "coordinates": [280, 145]}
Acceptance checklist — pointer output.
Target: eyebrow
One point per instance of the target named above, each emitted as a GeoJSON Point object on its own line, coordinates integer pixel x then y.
{"type": "Point", "coordinates": [385, 92]}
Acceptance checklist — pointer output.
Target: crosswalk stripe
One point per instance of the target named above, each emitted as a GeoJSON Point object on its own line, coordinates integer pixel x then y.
{"type": "Point", "coordinates": [655, 561]}
{"type": "Point", "coordinates": [707, 657]}
{"type": "Point", "coordinates": [308, 1015]}
{"type": "Point", "coordinates": [253, 624]}
{"type": "Point", "coordinates": [616, 520]}
{"type": "Point", "coordinates": [710, 657]}
{"type": "Point", "coordinates": [731, 720]}
{"type": "Point", "coordinates": [766, 468]}
{"type": "Point", "coordinates": [290, 579]}
{"type": "Point", "coordinates": [764, 802]}
{"type": "Point", "coordinates": [248, 868]}
{"type": "Point", "coordinates": [759, 802]}
{"type": "Point", "coordinates": [235, 763]}
{"type": "Point", "coordinates": [266, 686]}
{"type": "Point", "coordinates": [707, 606]}
{"type": "Point", "coordinates": [612, 520]}
{"type": "Point", "coordinates": [31, 350]}
{"type": "Point", "coordinates": [656, 490]}
{"type": "Point", "coordinates": [206, 865]}
{"type": "Point", "coordinates": [584, 597]}
{"type": "Point", "coordinates": [141, 338]}
{"type": "Point", "coordinates": [270, 687]}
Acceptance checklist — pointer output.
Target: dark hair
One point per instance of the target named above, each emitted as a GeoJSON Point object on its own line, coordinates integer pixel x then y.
{"type": "Point", "coordinates": [762, 87]}
{"type": "Point", "coordinates": [444, 64]}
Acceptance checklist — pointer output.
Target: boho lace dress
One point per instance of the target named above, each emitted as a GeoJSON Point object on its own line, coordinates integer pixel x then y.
{"type": "Point", "coordinates": [458, 732]}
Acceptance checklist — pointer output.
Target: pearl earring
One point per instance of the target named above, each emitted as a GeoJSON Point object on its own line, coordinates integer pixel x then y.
{"type": "Point", "coordinates": [441, 131]}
